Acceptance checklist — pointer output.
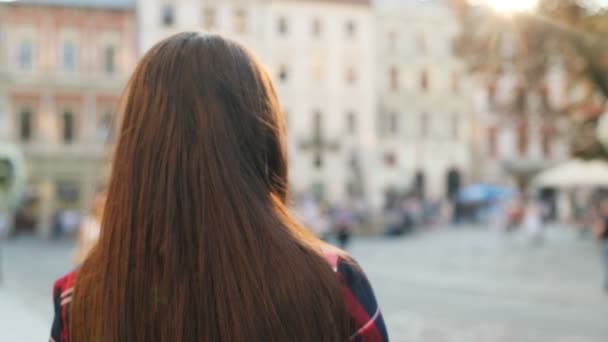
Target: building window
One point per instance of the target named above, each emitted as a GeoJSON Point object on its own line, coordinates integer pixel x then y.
{"type": "Point", "coordinates": [25, 55]}
{"type": "Point", "coordinates": [282, 26]}
{"type": "Point", "coordinates": [240, 21]}
{"type": "Point", "coordinates": [351, 123]}
{"type": "Point", "coordinates": [25, 125]}
{"type": "Point", "coordinates": [67, 191]}
{"type": "Point", "coordinates": [316, 27]}
{"type": "Point", "coordinates": [351, 75]}
{"type": "Point", "coordinates": [68, 127]}
{"type": "Point", "coordinates": [70, 57]}
{"type": "Point", "coordinates": [522, 136]}
{"type": "Point", "coordinates": [209, 21]}
{"type": "Point", "coordinates": [455, 82]}
{"type": "Point", "coordinates": [109, 57]}
{"type": "Point", "coordinates": [283, 73]}
{"type": "Point", "coordinates": [547, 139]}
{"type": "Point", "coordinates": [420, 184]}
{"type": "Point", "coordinates": [455, 123]}
{"type": "Point", "coordinates": [424, 81]}
{"type": "Point", "coordinates": [393, 121]}
{"type": "Point", "coordinates": [424, 125]}
{"type": "Point", "coordinates": [453, 180]}
{"type": "Point", "coordinates": [168, 15]}
{"type": "Point", "coordinates": [351, 28]}
{"type": "Point", "coordinates": [393, 75]}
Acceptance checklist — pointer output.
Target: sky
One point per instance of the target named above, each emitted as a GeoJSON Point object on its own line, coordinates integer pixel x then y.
{"type": "Point", "coordinates": [510, 6]}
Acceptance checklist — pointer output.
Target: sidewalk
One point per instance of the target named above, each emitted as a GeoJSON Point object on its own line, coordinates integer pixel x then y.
{"type": "Point", "coordinates": [18, 322]}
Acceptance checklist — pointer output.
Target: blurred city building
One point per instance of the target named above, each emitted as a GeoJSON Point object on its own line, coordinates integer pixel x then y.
{"type": "Point", "coordinates": [518, 133]}
{"type": "Point", "coordinates": [63, 65]}
{"type": "Point", "coordinates": [424, 115]}
{"type": "Point", "coordinates": [522, 95]}
{"type": "Point", "coordinates": [319, 54]}
{"type": "Point", "coordinates": [374, 97]}
{"type": "Point", "coordinates": [320, 57]}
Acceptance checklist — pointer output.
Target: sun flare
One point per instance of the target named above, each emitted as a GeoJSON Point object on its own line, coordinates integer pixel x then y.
{"type": "Point", "coordinates": [511, 6]}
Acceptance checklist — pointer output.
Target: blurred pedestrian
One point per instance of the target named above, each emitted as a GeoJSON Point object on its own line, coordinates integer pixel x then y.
{"type": "Point", "coordinates": [343, 223]}
{"type": "Point", "coordinates": [90, 228]}
{"type": "Point", "coordinates": [446, 212]}
{"type": "Point", "coordinates": [515, 213]}
{"type": "Point", "coordinates": [533, 221]}
{"type": "Point", "coordinates": [601, 232]}
{"type": "Point", "coordinates": [197, 241]}
{"type": "Point", "coordinates": [362, 212]}
{"type": "Point", "coordinates": [70, 221]}
{"type": "Point", "coordinates": [393, 216]}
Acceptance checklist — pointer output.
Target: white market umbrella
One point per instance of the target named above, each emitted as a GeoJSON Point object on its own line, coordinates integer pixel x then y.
{"type": "Point", "coordinates": [575, 173]}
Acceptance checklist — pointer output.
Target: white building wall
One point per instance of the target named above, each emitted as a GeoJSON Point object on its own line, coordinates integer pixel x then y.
{"type": "Point", "coordinates": [301, 94]}
{"type": "Point", "coordinates": [316, 68]}
{"type": "Point", "coordinates": [333, 52]}
{"type": "Point", "coordinates": [412, 37]}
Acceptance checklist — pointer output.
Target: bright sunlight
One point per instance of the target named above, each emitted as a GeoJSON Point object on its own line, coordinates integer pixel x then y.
{"type": "Point", "coordinates": [510, 6]}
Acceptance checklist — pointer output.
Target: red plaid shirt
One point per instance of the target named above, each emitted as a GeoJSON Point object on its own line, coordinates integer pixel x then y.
{"type": "Point", "coordinates": [360, 301]}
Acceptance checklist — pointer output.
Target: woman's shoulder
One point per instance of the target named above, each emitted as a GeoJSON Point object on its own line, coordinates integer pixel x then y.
{"type": "Point", "coordinates": [63, 291]}
{"type": "Point", "coordinates": [359, 295]}
{"type": "Point", "coordinates": [64, 286]}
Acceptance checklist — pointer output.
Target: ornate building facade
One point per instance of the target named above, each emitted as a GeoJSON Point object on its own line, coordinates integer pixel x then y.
{"type": "Point", "coordinates": [63, 65]}
{"type": "Point", "coordinates": [424, 112]}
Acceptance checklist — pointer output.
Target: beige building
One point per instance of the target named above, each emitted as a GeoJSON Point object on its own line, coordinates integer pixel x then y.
{"type": "Point", "coordinates": [424, 105]}
{"type": "Point", "coordinates": [63, 65]}
{"type": "Point", "coordinates": [321, 57]}
{"type": "Point", "coordinates": [323, 64]}
{"type": "Point", "coordinates": [373, 96]}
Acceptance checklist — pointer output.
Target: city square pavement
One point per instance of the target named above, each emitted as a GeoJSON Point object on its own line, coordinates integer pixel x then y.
{"type": "Point", "coordinates": [458, 284]}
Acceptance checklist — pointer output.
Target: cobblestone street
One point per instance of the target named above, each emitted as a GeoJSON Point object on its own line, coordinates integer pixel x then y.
{"type": "Point", "coordinates": [448, 285]}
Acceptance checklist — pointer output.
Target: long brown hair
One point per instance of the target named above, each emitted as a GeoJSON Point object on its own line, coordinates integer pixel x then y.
{"type": "Point", "coordinates": [197, 243]}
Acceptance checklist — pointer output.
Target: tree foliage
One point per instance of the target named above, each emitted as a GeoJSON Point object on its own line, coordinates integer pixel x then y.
{"type": "Point", "coordinates": [572, 32]}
